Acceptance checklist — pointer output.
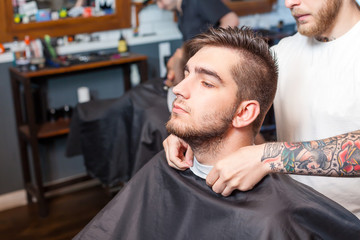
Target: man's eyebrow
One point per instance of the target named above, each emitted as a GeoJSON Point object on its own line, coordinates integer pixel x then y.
{"type": "Point", "coordinates": [186, 68]}
{"type": "Point", "coordinates": [209, 72]}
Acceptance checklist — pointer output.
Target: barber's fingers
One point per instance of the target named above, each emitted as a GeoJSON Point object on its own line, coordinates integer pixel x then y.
{"type": "Point", "coordinates": [212, 177]}
{"type": "Point", "coordinates": [166, 148]}
{"type": "Point", "coordinates": [218, 187]}
{"type": "Point", "coordinates": [169, 152]}
{"type": "Point", "coordinates": [174, 149]}
{"type": "Point", "coordinates": [227, 191]}
{"type": "Point", "coordinates": [189, 156]}
{"type": "Point", "coordinates": [218, 184]}
{"type": "Point", "coordinates": [176, 159]}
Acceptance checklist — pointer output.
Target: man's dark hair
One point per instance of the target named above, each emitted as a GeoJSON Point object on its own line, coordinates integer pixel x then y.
{"type": "Point", "coordinates": [255, 74]}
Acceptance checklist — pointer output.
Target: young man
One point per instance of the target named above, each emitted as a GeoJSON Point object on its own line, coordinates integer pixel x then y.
{"type": "Point", "coordinates": [317, 98]}
{"type": "Point", "coordinates": [229, 85]}
{"type": "Point", "coordinates": [194, 17]}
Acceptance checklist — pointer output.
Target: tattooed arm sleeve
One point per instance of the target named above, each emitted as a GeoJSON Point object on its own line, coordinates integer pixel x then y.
{"type": "Point", "coordinates": [335, 156]}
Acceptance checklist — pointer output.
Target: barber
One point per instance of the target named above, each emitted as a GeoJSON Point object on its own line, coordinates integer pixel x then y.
{"type": "Point", "coordinates": [317, 110]}
{"type": "Point", "coordinates": [194, 17]}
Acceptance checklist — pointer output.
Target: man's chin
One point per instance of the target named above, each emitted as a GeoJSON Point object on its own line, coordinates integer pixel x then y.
{"type": "Point", "coordinates": [176, 129]}
{"type": "Point", "coordinates": [306, 31]}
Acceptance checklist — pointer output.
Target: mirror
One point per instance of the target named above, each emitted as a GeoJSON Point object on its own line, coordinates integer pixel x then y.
{"type": "Point", "coordinates": [47, 10]}
{"type": "Point", "coordinates": [57, 5]}
{"type": "Point", "coordinates": [247, 7]}
{"type": "Point", "coordinates": [108, 16]}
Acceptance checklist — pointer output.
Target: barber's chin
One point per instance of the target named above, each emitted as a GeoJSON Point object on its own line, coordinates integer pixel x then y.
{"type": "Point", "coordinates": [307, 30]}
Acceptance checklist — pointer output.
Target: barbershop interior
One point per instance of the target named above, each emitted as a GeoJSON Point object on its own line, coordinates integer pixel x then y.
{"type": "Point", "coordinates": [84, 99]}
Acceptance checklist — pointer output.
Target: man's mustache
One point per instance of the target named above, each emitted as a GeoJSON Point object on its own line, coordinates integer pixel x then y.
{"type": "Point", "coordinates": [181, 103]}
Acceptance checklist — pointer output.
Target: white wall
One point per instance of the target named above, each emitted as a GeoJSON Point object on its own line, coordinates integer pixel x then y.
{"type": "Point", "coordinates": [155, 20]}
{"type": "Point", "coordinates": [266, 20]}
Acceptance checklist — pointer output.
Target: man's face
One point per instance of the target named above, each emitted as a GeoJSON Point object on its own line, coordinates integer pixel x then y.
{"type": "Point", "coordinates": [167, 4]}
{"type": "Point", "coordinates": [314, 17]}
{"type": "Point", "coordinates": [206, 99]}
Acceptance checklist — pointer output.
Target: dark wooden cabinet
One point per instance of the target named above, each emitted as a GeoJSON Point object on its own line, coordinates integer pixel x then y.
{"type": "Point", "coordinates": [121, 18]}
{"type": "Point", "coordinates": [31, 130]}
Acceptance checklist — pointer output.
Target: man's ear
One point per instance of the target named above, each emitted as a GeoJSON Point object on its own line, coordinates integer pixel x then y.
{"type": "Point", "coordinates": [246, 113]}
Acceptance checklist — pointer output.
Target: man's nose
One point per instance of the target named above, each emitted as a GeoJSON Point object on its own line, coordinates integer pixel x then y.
{"type": "Point", "coordinates": [183, 88]}
{"type": "Point", "coordinates": [291, 3]}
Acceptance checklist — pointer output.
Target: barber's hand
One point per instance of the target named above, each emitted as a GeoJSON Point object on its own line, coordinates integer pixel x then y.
{"type": "Point", "coordinates": [178, 153]}
{"type": "Point", "coordinates": [174, 68]}
{"type": "Point", "coordinates": [170, 78]}
{"type": "Point", "coordinates": [241, 170]}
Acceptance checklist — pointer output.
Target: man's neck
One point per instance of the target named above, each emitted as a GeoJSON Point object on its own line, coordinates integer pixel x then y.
{"type": "Point", "coordinates": [348, 16]}
{"type": "Point", "coordinates": [211, 152]}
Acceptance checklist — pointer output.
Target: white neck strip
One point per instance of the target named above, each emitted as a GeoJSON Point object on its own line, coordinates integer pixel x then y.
{"type": "Point", "coordinates": [199, 169]}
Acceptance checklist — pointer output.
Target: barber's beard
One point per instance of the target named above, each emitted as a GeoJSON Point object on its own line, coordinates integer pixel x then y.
{"type": "Point", "coordinates": [324, 19]}
{"type": "Point", "coordinates": [208, 136]}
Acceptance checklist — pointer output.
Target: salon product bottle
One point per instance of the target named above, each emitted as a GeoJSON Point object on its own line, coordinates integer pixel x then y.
{"type": "Point", "coordinates": [28, 54]}
{"type": "Point", "coordinates": [122, 45]}
{"type": "Point", "coordinates": [2, 48]}
{"type": "Point", "coordinates": [134, 75]}
{"type": "Point", "coordinates": [17, 50]}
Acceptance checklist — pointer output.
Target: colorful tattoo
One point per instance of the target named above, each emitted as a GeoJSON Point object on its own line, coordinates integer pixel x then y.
{"type": "Point", "coordinates": [336, 156]}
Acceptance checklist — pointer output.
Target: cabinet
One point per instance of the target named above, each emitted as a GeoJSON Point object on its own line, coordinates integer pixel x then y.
{"type": "Point", "coordinates": [31, 129]}
{"type": "Point", "coordinates": [67, 26]}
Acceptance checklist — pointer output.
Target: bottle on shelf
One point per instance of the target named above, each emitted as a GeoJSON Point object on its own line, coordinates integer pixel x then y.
{"type": "Point", "coordinates": [20, 59]}
{"type": "Point", "coordinates": [15, 49]}
{"type": "Point", "coordinates": [28, 53]}
{"type": "Point", "coordinates": [122, 46]}
{"type": "Point", "coordinates": [134, 75]}
{"type": "Point", "coordinates": [2, 48]}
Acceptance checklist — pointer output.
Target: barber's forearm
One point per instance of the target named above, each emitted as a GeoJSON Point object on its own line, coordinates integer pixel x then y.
{"type": "Point", "coordinates": [335, 156]}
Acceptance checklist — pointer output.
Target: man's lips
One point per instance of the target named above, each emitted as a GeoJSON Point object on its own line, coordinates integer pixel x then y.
{"type": "Point", "coordinates": [178, 109]}
{"type": "Point", "coordinates": [301, 17]}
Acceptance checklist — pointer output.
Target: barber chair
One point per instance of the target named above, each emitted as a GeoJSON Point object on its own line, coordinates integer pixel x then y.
{"type": "Point", "coordinates": [118, 136]}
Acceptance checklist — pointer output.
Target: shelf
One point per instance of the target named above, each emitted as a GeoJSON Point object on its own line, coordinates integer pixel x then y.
{"type": "Point", "coordinates": [48, 129]}
{"type": "Point", "coordinates": [132, 58]}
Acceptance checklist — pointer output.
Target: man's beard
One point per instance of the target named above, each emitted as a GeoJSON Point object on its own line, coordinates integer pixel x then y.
{"type": "Point", "coordinates": [208, 137]}
{"type": "Point", "coordinates": [324, 19]}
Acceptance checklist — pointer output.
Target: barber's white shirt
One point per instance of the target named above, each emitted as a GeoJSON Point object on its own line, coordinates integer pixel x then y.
{"type": "Point", "coordinates": [318, 96]}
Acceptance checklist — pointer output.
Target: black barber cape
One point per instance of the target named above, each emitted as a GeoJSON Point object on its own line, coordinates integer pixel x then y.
{"type": "Point", "coordinates": [165, 204]}
{"type": "Point", "coordinates": [119, 136]}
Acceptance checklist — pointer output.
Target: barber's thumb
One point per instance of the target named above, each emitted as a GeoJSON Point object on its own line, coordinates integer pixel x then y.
{"type": "Point", "coordinates": [189, 157]}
